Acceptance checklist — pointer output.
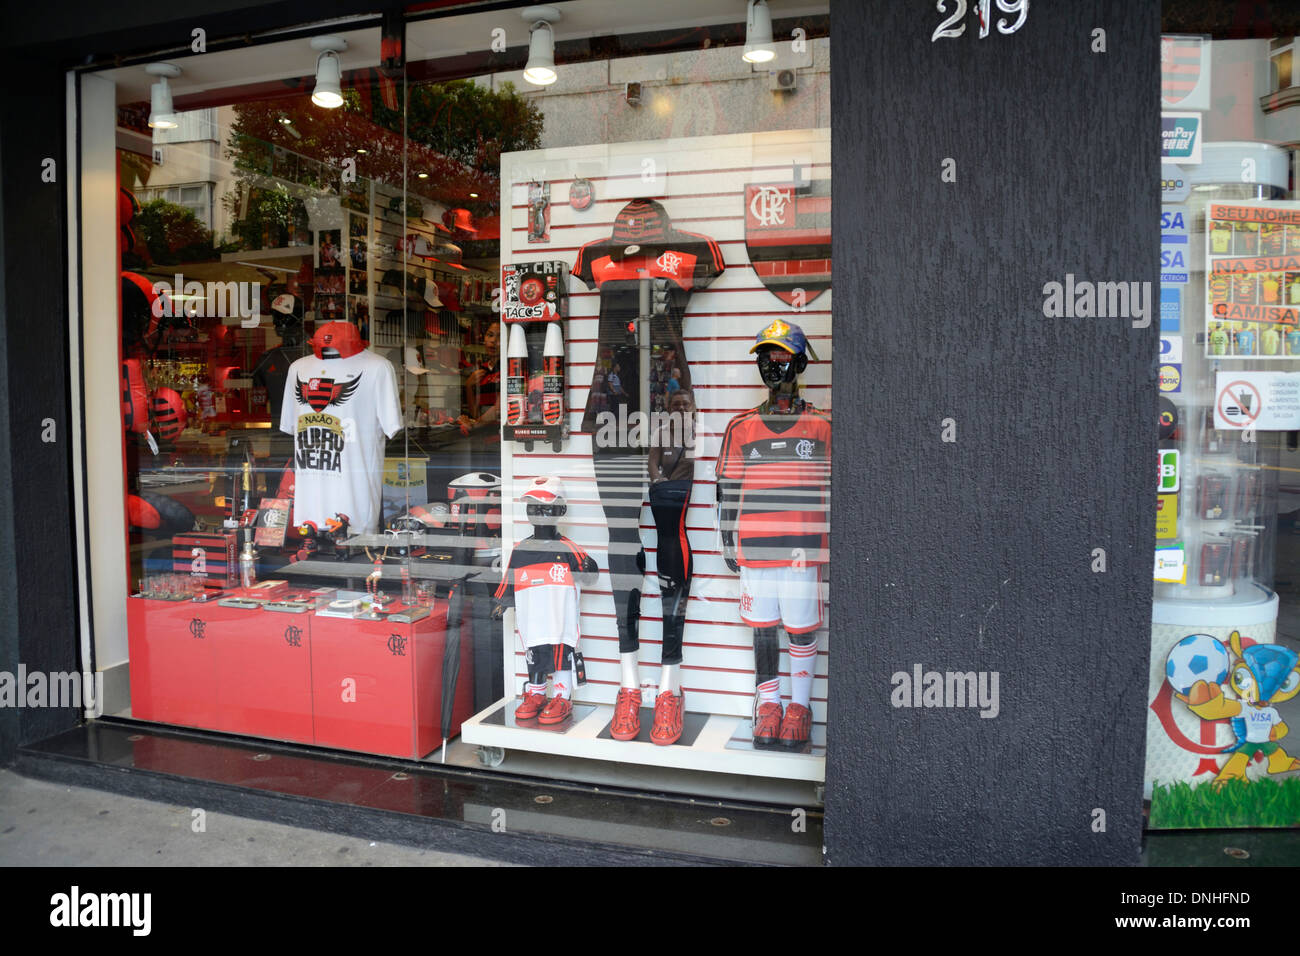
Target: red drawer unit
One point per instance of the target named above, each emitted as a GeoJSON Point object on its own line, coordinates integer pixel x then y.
{"type": "Point", "coordinates": [378, 686]}
{"type": "Point", "coordinates": [173, 660]}
{"type": "Point", "coordinates": [263, 675]}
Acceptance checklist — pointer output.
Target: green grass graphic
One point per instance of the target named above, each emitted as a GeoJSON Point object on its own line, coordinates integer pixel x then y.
{"type": "Point", "coordinates": [1241, 803]}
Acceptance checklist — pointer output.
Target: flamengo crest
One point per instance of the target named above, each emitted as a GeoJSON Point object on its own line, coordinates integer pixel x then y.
{"type": "Point", "coordinates": [788, 238]}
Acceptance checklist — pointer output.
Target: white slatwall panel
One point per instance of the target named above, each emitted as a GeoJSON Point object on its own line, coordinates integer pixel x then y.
{"type": "Point", "coordinates": [701, 183]}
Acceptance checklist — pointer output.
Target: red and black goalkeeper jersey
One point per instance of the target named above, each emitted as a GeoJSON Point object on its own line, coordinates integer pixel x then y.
{"type": "Point", "coordinates": [782, 479]}
{"type": "Point", "coordinates": [643, 240]}
{"type": "Point", "coordinates": [543, 577]}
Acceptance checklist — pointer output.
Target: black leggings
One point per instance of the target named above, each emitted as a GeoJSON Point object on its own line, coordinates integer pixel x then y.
{"type": "Point", "coordinates": [620, 478]}
{"type": "Point", "coordinates": [668, 501]}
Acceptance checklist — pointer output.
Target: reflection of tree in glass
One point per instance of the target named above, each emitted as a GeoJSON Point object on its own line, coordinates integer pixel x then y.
{"type": "Point", "coordinates": [173, 234]}
{"type": "Point", "coordinates": [457, 131]}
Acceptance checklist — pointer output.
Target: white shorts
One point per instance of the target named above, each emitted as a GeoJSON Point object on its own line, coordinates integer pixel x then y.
{"type": "Point", "coordinates": [771, 596]}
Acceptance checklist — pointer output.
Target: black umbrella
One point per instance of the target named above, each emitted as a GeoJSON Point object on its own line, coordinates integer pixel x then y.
{"type": "Point", "coordinates": [451, 659]}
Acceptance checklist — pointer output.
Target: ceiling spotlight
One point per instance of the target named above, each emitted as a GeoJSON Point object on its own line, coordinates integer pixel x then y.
{"type": "Point", "coordinates": [540, 70]}
{"type": "Point", "coordinates": [329, 75]}
{"type": "Point", "coordinates": [421, 175]}
{"type": "Point", "coordinates": [161, 113]}
{"type": "Point", "coordinates": [473, 195]}
{"type": "Point", "coordinates": [759, 47]}
{"type": "Point", "coordinates": [361, 150]}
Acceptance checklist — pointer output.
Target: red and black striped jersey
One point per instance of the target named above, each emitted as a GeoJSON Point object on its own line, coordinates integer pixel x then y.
{"type": "Point", "coordinates": [542, 580]}
{"type": "Point", "coordinates": [777, 469]}
{"type": "Point", "coordinates": [643, 243]}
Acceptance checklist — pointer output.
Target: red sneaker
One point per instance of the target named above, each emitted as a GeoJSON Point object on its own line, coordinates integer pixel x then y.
{"type": "Point", "coordinates": [627, 715]}
{"type": "Point", "coordinates": [669, 712]}
{"type": "Point", "coordinates": [796, 726]}
{"type": "Point", "coordinates": [530, 706]}
{"type": "Point", "coordinates": [767, 724]}
{"type": "Point", "coordinates": [557, 710]}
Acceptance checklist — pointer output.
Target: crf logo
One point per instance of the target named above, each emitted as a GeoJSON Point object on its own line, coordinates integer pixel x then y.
{"type": "Point", "coordinates": [804, 449]}
{"type": "Point", "coordinates": [669, 262]}
{"type": "Point", "coordinates": [293, 636]}
{"type": "Point", "coordinates": [558, 573]}
{"type": "Point", "coordinates": [768, 206]}
{"type": "Point", "coordinates": [197, 627]}
{"type": "Point", "coordinates": [397, 645]}
{"type": "Point", "coordinates": [746, 602]}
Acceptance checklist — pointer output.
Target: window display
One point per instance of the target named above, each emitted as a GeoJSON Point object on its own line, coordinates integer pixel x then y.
{"type": "Point", "coordinates": [682, 653]}
{"type": "Point", "coordinates": [1224, 625]}
{"type": "Point", "coordinates": [426, 421]}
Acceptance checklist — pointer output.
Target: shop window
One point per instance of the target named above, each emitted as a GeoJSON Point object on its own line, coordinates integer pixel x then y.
{"type": "Point", "coordinates": [1226, 621]}
{"type": "Point", "coordinates": [475, 420]}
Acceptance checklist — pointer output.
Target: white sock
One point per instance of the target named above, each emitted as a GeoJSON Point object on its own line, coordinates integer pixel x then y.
{"type": "Point", "coordinates": [670, 678]}
{"type": "Point", "coordinates": [803, 664]}
{"type": "Point", "coordinates": [769, 692]}
{"type": "Point", "coordinates": [631, 677]}
{"type": "Point", "coordinates": [562, 681]}
{"type": "Point", "coordinates": [535, 689]}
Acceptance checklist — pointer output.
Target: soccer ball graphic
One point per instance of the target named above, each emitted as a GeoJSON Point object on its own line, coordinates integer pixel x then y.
{"type": "Point", "coordinates": [1196, 657]}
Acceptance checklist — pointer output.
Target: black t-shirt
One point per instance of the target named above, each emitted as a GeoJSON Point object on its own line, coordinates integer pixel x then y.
{"type": "Point", "coordinates": [273, 370]}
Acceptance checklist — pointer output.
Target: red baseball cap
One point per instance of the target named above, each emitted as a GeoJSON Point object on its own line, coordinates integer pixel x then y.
{"type": "Point", "coordinates": [341, 339]}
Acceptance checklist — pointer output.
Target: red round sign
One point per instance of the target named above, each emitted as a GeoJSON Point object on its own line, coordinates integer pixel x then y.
{"type": "Point", "coordinates": [531, 291]}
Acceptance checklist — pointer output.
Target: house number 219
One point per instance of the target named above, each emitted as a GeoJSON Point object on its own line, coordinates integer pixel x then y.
{"type": "Point", "coordinates": [982, 13]}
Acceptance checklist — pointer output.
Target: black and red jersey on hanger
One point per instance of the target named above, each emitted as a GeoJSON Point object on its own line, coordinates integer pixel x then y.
{"type": "Point", "coordinates": [643, 242]}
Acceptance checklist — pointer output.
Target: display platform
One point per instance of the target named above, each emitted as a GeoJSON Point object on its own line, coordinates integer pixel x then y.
{"type": "Point", "coordinates": [710, 742]}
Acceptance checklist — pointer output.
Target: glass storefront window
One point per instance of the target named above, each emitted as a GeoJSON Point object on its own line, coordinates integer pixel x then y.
{"type": "Point", "coordinates": [472, 419]}
{"type": "Point", "coordinates": [1225, 619]}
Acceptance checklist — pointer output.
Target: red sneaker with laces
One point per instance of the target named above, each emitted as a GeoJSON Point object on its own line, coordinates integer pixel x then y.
{"type": "Point", "coordinates": [767, 724]}
{"type": "Point", "coordinates": [627, 715]}
{"type": "Point", "coordinates": [669, 712]}
{"type": "Point", "coordinates": [530, 706]}
{"type": "Point", "coordinates": [796, 726]}
{"type": "Point", "coordinates": [557, 710]}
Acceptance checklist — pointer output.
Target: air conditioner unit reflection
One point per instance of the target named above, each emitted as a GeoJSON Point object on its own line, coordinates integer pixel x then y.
{"type": "Point", "coordinates": [783, 81]}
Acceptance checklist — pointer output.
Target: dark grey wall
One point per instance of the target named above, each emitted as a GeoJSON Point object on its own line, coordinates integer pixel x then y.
{"type": "Point", "coordinates": [976, 554]}
{"type": "Point", "coordinates": [37, 606]}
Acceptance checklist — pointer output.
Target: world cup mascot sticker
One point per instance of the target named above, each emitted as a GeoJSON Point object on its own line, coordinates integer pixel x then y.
{"type": "Point", "coordinates": [1260, 677]}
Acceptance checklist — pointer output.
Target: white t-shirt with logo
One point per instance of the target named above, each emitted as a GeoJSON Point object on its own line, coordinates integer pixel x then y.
{"type": "Point", "coordinates": [339, 411]}
{"type": "Point", "coordinates": [1259, 723]}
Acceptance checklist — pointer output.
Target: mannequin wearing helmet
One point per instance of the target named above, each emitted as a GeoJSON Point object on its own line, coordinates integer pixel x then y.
{"type": "Point", "coordinates": [543, 582]}
{"type": "Point", "coordinates": [773, 482]}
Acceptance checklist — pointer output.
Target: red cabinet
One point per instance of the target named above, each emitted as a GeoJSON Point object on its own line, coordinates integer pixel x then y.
{"type": "Point", "coordinates": [371, 686]}
{"type": "Point", "coordinates": [378, 686]}
{"type": "Point", "coordinates": [263, 676]}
